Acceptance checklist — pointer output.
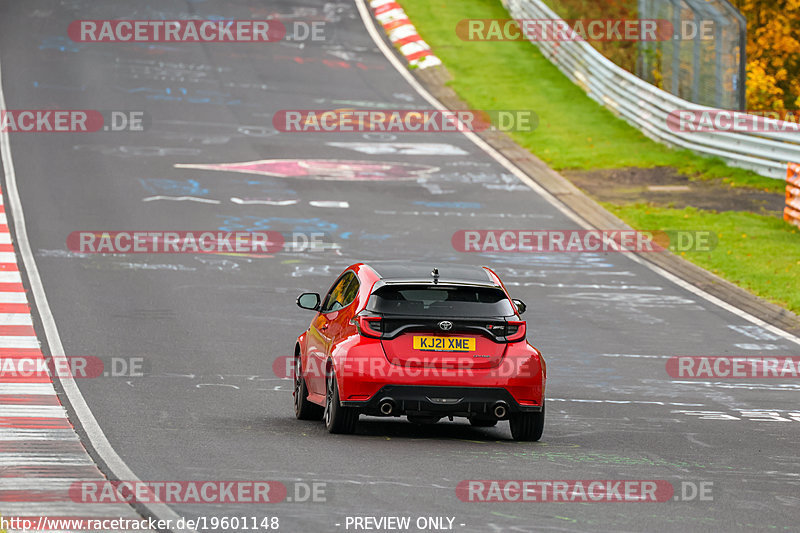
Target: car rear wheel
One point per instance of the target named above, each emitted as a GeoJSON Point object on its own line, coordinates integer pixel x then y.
{"type": "Point", "coordinates": [527, 426]}
{"type": "Point", "coordinates": [483, 422]}
{"type": "Point", "coordinates": [303, 409]}
{"type": "Point", "coordinates": [338, 419]}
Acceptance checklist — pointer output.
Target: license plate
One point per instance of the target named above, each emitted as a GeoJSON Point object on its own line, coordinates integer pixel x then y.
{"type": "Point", "coordinates": [444, 344]}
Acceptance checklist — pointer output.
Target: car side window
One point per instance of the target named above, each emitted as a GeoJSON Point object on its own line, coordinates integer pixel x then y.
{"type": "Point", "coordinates": [341, 294]}
{"type": "Point", "coordinates": [351, 291]}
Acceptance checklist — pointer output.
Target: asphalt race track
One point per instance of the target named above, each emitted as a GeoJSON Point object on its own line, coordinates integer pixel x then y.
{"type": "Point", "coordinates": [210, 327]}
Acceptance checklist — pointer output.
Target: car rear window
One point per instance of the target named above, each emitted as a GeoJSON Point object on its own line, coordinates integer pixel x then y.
{"type": "Point", "coordinates": [440, 301]}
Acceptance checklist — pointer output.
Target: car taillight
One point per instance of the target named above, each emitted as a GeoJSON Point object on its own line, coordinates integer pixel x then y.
{"type": "Point", "coordinates": [515, 330]}
{"type": "Point", "coordinates": [369, 326]}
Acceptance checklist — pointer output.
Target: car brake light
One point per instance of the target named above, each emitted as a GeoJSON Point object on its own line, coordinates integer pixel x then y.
{"type": "Point", "coordinates": [369, 326]}
{"type": "Point", "coordinates": [515, 331]}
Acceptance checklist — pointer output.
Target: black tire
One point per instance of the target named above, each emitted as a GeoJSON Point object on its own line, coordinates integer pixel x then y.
{"type": "Point", "coordinates": [338, 419]}
{"type": "Point", "coordinates": [527, 426]}
{"type": "Point", "coordinates": [304, 409]}
{"type": "Point", "coordinates": [483, 422]}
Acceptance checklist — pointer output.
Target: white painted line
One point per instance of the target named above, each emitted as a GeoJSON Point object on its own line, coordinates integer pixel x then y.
{"type": "Point", "coordinates": [19, 342]}
{"type": "Point", "coordinates": [13, 298]}
{"type": "Point", "coordinates": [36, 483]}
{"type": "Point", "coordinates": [502, 160]}
{"type": "Point", "coordinates": [380, 148]}
{"type": "Point", "coordinates": [181, 199]}
{"type": "Point", "coordinates": [636, 356]}
{"type": "Point", "coordinates": [28, 389]}
{"type": "Point", "coordinates": [329, 203]}
{"type": "Point", "coordinates": [8, 257]}
{"type": "Point", "coordinates": [401, 32]}
{"type": "Point", "coordinates": [66, 509]}
{"type": "Point", "coordinates": [414, 47]}
{"type": "Point", "coordinates": [15, 319]}
{"type": "Point", "coordinates": [10, 277]}
{"type": "Point", "coordinates": [33, 411]}
{"type": "Point", "coordinates": [44, 459]}
{"type": "Point", "coordinates": [26, 434]}
{"type": "Point", "coordinates": [94, 433]}
{"type": "Point", "coordinates": [247, 201]}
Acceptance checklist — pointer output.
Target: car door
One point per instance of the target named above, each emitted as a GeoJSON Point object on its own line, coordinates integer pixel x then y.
{"type": "Point", "coordinates": [320, 334]}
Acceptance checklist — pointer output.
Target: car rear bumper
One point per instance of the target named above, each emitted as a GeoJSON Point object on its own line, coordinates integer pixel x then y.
{"type": "Point", "coordinates": [424, 400]}
{"type": "Point", "coordinates": [363, 373]}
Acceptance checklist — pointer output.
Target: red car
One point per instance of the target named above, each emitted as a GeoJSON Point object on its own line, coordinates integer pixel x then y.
{"type": "Point", "coordinates": [405, 340]}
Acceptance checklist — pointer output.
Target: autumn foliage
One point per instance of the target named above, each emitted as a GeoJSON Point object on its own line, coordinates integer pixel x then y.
{"type": "Point", "coordinates": [773, 45]}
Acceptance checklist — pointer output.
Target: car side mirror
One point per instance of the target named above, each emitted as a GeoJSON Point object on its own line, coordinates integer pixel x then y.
{"type": "Point", "coordinates": [308, 300]}
{"type": "Point", "coordinates": [521, 307]}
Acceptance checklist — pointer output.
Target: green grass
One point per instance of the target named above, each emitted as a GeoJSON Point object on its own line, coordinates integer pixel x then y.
{"type": "Point", "coordinates": [757, 252]}
{"type": "Point", "coordinates": [574, 131]}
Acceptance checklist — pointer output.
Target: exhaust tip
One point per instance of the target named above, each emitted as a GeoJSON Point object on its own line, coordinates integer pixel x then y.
{"type": "Point", "coordinates": [500, 410]}
{"type": "Point", "coordinates": [386, 406]}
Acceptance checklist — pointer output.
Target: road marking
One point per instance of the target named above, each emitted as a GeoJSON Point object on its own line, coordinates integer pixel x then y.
{"type": "Point", "coordinates": [400, 148]}
{"type": "Point", "coordinates": [19, 342]}
{"type": "Point", "coordinates": [15, 319]}
{"type": "Point", "coordinates": [181, 199]}
{"type": "Point", "coordinates": [255, 201]}
{"type": "Point", "coordinates": [34, 422]}
{"type": "Point", "coordinates": [40, 411]}
{"type": "Point", "coordinates": [403, 34]}
{"type": "Point", "coordinates": [502, 160]}
{"type": "Point", "coordinates": [13, 298]}
{"type": "Point", "coordinates": [329, 203]}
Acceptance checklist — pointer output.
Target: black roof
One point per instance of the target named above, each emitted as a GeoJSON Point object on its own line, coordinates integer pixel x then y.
{"type": "Point", "coordinates": [392, 272]}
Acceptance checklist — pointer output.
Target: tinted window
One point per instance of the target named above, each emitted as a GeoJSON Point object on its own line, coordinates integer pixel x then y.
{"type": "Point", "coordinates": [342, 294]}
{"type": "Point", "coordinates": [440, 301]}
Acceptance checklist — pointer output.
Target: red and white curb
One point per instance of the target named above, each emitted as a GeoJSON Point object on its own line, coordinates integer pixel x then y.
{"type": "Point", "coordinates": [40, 453]}
{"type": "Point", "coordinates": [403, 34]}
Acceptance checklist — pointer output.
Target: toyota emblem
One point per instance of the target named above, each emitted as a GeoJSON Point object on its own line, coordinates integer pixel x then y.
{"type": "Point", "coordinates": [445, 325]}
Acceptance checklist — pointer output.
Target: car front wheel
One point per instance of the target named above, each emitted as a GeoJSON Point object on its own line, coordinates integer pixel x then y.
{"type": "Point", "coordinates": [338, 419]}
{"type": "Point", "coordinates": [303, 409]}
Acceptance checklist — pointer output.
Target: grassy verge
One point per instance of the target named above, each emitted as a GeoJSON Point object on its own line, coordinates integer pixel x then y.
{"type": "Point", "coordinates": [574, 131]}
{"type": "Point", "coordinates": [757, 252]}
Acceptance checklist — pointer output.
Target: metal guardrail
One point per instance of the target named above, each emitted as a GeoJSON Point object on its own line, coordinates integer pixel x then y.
{"type": "Point", "coordinates": [648, 108]}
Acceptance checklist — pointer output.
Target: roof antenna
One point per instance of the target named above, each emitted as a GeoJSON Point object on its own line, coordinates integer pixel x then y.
{"type": "Point", "coordinates": [435, 274]}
